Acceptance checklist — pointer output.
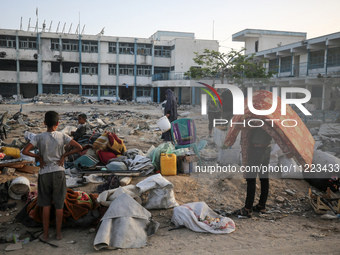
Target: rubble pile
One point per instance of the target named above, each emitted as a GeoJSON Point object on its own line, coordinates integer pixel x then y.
{"type": "Point", "coordinates": [327, 138]}
{"type": "Point", "coordinates": [55, 98]}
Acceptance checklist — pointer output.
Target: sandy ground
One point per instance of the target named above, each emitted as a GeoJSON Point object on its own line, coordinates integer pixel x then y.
{"type": "Point", "coordinates": [293, 229]}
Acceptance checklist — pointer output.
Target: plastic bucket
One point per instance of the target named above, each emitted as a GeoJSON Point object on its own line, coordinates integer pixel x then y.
{"type": "Point", "coordinates": [19, 186]}
{"type": "Point", "coordinates": [164, 124]}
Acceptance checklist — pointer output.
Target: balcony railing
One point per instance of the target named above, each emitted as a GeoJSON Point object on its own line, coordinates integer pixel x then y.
{"type": "Point", "coordinates": [301, 70]}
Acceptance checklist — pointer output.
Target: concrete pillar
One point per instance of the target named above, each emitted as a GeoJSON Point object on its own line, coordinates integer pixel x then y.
{"type": "Point", "coordinates": [179, 95]}
{"type": "Point", "coordinates": [158, 94]}
{"type": "Point", "coordinates": [326, 60]}
{"type": "Point", "coordinates": [117, 69]}
{"type": "Point", "coordinates": [40, 87]}
{"type": "Point", "coordinates": [60, 66]}
{"type": "Point", "coordinates": [135, 72]}
{"type": "Point", "coordinates": [99, 68]}
{"type": "Point", "coordinates": [193, 95]}
{"type": "Point", "coordinates": [80, 67]}
{"type": "Point", "coordinates": [152, 91]}
{"type": "Point", "coordinates": [17, 62]}
{"type": "Point", "coordinates": [323, 96]}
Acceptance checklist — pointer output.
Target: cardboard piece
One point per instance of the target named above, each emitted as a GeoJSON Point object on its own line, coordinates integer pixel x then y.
{"type": "Point", "coordinates": [14, 247]}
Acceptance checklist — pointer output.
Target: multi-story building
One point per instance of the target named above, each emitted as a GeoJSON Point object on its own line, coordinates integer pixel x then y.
{"type": "Point", "coordinates": [97, 66]}
{"type": "Point", "coordinates": [298, 62]}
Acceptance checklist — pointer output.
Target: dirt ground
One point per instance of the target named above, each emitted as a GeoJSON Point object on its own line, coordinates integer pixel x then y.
{"type": "Point", "coordinates": [291, 228]}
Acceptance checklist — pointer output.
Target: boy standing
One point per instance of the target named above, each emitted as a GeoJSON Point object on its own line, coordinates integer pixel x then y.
{"type": "Point", "coordinates": [51, 180]}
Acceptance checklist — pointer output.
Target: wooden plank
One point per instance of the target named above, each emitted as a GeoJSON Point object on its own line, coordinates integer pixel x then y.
{"type": "Point", "coordinates": [16, 164]}
{"type": "Point", "coordinates": [28, 169]}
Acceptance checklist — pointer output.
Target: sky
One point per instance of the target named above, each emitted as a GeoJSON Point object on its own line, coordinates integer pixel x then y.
{"type": "Point", "coordinates": [208, 19]}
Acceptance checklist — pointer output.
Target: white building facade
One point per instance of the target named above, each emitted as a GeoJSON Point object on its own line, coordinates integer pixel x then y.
{"type": "Point", "coordinates": [96, 66]}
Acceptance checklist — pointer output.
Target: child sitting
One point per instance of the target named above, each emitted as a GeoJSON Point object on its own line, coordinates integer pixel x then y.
{"type": "Point", "coordinates": [82, 128]}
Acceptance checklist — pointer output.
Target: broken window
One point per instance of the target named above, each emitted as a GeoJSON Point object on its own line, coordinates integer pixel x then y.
{"type": "Point", "coordinates": [8, 65]}
{"type": "Point", "coordinates": [28, 43]}
{"type": "Point", "coordinates": [144, 49]}
{"type": "Point", "coordinates": [143, 92]}
{"type": "Point", "coordinates": [71, 89]}
{"type": "Point", "coordinates": [89, 46]}
{"type": "Point", "coordinates": [70, 45]}
{"type": "Point", "coordinates": [126, 70]}
{"type": "Point", "coordinates": [112, 69]}
{"type": "Point", "coordinates": [70, 67]}
{"type": "Point", "coordinates": [126, 48]}
{"type": "Point", "coordinates": [333, 57]}
{"type": "Point", "coordinates": [161, 70]}
{"type": "Point", "coordinates": [89, 69]}
{"type": "Point", "coordinates": [54, 44]}
{"type": "Point", "coordinates": [51, 89]}
{"type": "Point", "coordinates": [90, 91]}
{"type": "Point", "coordinates": [112, 47]}
{"type": "Point", "coordinates": [107, 91]}
{"type": "Point", "coordinates": [256, 46]}
{"type": "Point", "coordinates": [316, 59]}
{"type": "Point", "coordinates": [8, 89]}
{"type": "Point", "coordinates": [163, 51]}
{"type": "Point", "coordinates": [286, 64]}
{"type": "Point", "coordinates": [7, 41]}
{"type": "Point", "coordinates": [144, 70]}
{"type": "Point", "coordinates": [55, 67]}
{"type": "Point", "coordinates": [316, 91]}
{"type": "Point", "coordinates": [28, 66]}
{"type": "Point", "coordinates": [273, 65]}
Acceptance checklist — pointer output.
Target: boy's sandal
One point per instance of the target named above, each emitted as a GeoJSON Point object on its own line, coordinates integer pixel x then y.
{"type": "Point", "coordinates": [258, 208]}
{"type": "Point", "coordinates": [243, 213]}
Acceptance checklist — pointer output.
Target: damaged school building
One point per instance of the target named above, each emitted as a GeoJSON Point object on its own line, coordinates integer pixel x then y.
{"type": "Point", "coordinates": [96, 66]}
{"type": "Point", "coordinates": [108, 67]}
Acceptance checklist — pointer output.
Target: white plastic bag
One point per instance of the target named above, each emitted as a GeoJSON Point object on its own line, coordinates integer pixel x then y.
{"type": "Point", "coordinates": [200, 218]}
{"type": "Point", "coordinates": [289, 168]}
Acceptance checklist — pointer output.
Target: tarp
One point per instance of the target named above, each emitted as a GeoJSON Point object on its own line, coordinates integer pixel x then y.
{"type": "Point", "coordinates": [294, 141]}
{"type": "Point", "coordinates": [123, 225]}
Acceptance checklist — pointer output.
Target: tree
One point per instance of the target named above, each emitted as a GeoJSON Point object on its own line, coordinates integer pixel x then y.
{"type": "Point", "coordinates": [229, 65]}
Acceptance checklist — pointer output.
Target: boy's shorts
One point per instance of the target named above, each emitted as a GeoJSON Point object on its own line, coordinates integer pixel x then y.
{"type": "Point", "coordinates": [52, 187]}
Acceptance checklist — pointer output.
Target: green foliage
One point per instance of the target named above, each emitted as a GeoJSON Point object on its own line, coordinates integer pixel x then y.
{"type": "Point", "coordinates": [231, 65]}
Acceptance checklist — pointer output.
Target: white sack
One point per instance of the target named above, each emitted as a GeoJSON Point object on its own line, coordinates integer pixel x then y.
{"type": "Point", "coordinates": [290, 169]}
{"type": "Point", "coordinates": [106, 197]}
{"type": "Point", "coordinates": [161, 194]}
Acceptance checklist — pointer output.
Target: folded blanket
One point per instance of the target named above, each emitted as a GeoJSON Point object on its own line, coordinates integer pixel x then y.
{"type": "Point", "coordinates": [77, 204]}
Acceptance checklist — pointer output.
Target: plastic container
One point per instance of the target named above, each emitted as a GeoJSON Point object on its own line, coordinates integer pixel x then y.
{"type": "Point", "coordinates": [19, 186]}
{"type": "Point", "coordinates": [164, 124]}
{"type": "Point", "coordinates": [9, 151]}
{"type": "Point", "coordinates": [168, 164]}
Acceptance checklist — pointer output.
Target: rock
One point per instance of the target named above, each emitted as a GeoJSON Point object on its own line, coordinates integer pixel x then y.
{"type": "Point", "coordinates": [290, 192]}
{"type": "Point", "coordinates": [279, 199]}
